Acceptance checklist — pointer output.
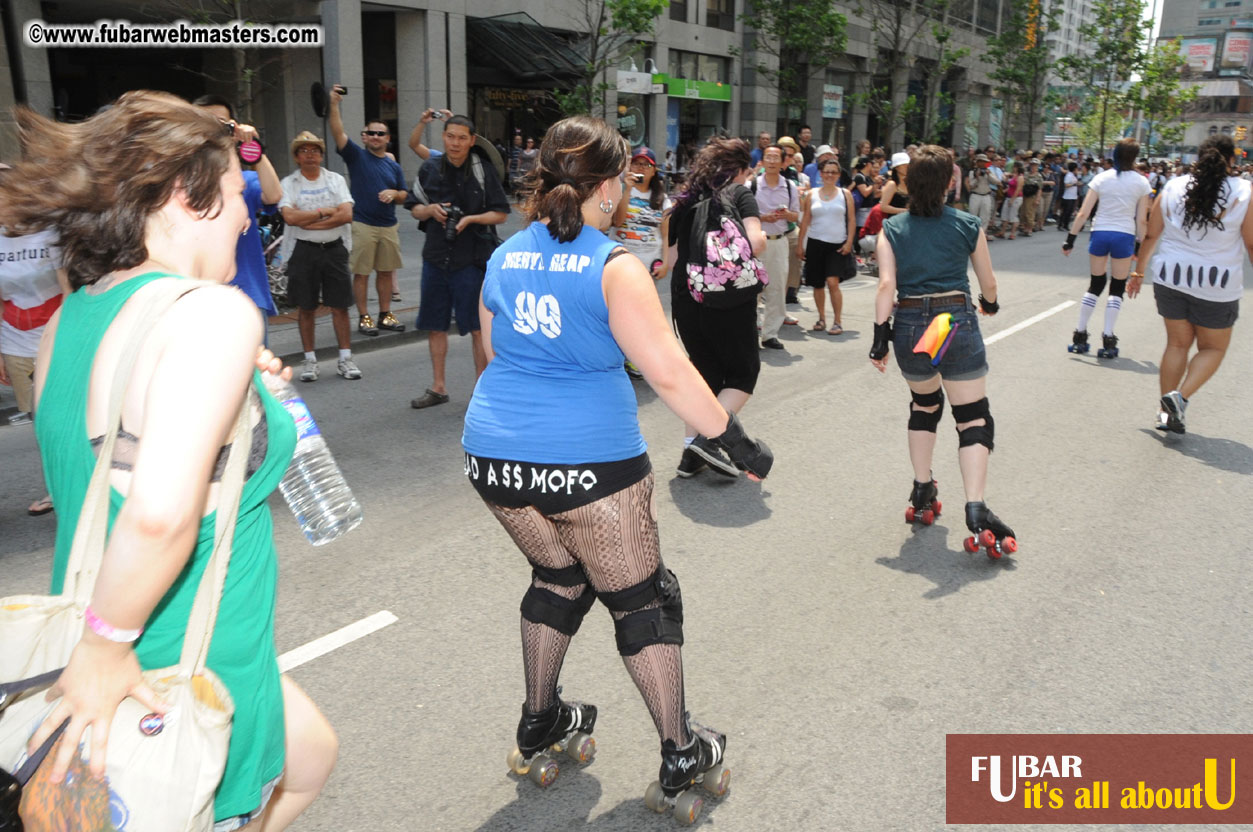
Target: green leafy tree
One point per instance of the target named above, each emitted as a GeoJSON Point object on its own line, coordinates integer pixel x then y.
{"type": "Point", "coordinates": [1020, 62]}
{"type": "Point", "coordinates": [937, 100]}
{"type": "Point", "coordinates": [1160, 96]}
{"type": "Point", "coordinates": [1100, 123]}
{"type": "Point", "coordinates": [1113, 52]}
{"type": "Point", "coordinates": [800, 38]}
{"type": "Point", "coordinates": [612, 30]}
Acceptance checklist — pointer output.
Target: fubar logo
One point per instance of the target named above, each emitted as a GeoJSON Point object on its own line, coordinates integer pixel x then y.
{"type": "Point", "coordinates": [1100, 778]}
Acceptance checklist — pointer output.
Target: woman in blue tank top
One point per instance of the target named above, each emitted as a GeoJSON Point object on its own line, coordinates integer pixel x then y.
{"type": "Point", "coordinates": [553, 446]}
{"type": "Point", "coordinates": [923, 255]}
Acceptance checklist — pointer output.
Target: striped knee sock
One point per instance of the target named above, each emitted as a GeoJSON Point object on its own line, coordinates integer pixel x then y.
{"type": "Point", "coordinates": [1112, 307]}
{"type": "Point", "coordinates": [1086, 307]}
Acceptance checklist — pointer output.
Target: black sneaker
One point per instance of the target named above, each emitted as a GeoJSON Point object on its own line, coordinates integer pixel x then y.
{"type": "Point", "coordinates": [690, 464]}
{"type": "Point", "coordinates": [791, 299]}
{"type": "Point", "coordinates": [712, 454]}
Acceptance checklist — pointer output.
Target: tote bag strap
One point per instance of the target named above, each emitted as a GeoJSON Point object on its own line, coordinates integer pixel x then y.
{"type": "Point", "coordinates": [204, 610]}
{"type": "Point", "coordinates": [90, 534]}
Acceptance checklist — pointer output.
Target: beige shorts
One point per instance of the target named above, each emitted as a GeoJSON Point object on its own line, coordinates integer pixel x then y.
{"type": "Point", "coordinates": [374, 249]}
{"type": "Point", "coordinates": [21, 375]}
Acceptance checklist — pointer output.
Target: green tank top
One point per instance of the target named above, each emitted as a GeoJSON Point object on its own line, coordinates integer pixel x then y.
{"type": "Point", "coordinates": [242, 652]}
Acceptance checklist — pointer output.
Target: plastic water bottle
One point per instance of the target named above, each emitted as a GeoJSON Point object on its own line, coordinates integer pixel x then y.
{"type": "Point", "coordinates": [313, 486]}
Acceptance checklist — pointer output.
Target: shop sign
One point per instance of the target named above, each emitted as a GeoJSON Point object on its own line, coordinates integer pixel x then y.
{"type": "Point", "coordinates": [507, 98]}
{"type": "Point", "coordinates": [640, 83]}
{"type": "Point", "coordinates": [1199, 53]}
{"type": "Point", "coordinates": [832, 101]}
{"type": "Point", "coordinates": [704, 90]}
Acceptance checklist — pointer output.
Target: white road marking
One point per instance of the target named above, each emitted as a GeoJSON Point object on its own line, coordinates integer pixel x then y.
{"type": "Point", "coordinates": [333, 641]}
{"type": "Point", "coordinates": [1035, 319]}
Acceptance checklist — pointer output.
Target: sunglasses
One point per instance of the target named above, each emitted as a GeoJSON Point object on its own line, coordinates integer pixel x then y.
{"type": "Point", "coordinates": [374, 132]}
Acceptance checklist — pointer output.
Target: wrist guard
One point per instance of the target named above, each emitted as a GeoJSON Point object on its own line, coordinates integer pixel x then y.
{"type": "Point", "coordinates": [882, 337]}
{"type": "Point", "coordinates": [1070, 242]}
{"type": "Point", "coordinates": [749, 455]}
{"type": "Point", "coordinates": [989, 306]}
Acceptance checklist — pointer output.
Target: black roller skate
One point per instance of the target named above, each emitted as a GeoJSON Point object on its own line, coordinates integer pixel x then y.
{"type": "Point", "coordinates": [683, 769]}
{"type": "Point", "coordinates": [1079, 343]}
{"type": "Point", "coordinates": [563, 726]}
{"type": "Point", "coordinates": [1170, 417]}
{"type": "Point", "coordinates": [923, 503]}
{"type": "Point", "coordinates": [1109, 347]}
{"type": "Point", "coordinates": [988, 531]}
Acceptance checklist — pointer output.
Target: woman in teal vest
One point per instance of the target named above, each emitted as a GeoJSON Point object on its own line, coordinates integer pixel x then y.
{"type": "Point", "coordinates": [148, 190]}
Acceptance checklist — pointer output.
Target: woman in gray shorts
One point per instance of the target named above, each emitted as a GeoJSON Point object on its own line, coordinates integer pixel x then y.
{"type": "Point", "coordinates": [1199, 230]}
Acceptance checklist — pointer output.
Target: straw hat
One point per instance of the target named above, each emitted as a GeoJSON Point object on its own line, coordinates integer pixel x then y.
{"type": "Point", "coordinates": [788, 142]}
{"type": "Point", "coordinates": [303, 138]}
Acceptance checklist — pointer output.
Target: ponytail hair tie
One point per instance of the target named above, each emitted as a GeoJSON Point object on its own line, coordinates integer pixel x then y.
{"type": "Point", "coordinates": [569, 182]}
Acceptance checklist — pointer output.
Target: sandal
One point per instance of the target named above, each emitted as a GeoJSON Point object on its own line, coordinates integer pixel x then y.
{"type": "Point", "coordinates": [836, 330]}
{"type": "Point", "coordinates": [40, 507]}
{"type": "Point", "coordinates": [429, 399]}
{"type": "Point", "coordinates": [819, 325]}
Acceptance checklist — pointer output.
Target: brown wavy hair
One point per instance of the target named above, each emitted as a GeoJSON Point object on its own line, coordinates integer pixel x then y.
{"type": "Point", "coordinates": [717, 163]}
{"type": "Point", "coordinates": [929, 175]}
{"type": "Point", "coordinates": [576, 156]}
{"type": "Point", "coordinates": [97, 182]}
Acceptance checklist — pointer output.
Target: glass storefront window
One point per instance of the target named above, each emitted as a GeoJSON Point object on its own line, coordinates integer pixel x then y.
{"type": "Point", "coordinates": [633, 118]}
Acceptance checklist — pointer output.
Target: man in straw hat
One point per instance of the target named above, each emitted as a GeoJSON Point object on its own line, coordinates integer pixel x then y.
{"type": "Point", "coordinates": [317, 208]}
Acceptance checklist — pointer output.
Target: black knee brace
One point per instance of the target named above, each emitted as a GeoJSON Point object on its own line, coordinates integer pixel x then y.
{"type": "Point", "coordinates": [661, 624]}
{"type": "Point", "coordinates": [543, 606]}
{"type": "Point", "coordinates": [921, 419]}
{"type": "Point", "coordinates": [1097, 285]}
{"type": "Point", "coordinates": [1117, 287]}
{"type": "Point", "coordinates": [979, 434]}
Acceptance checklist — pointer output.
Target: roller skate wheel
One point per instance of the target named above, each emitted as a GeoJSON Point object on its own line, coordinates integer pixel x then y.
{"type": "Point", "coordinates": [937, 505]}
{"type": "Point", "coordinates": [717, 780]}
{"type": "Point", "coordinates": [987, 538]}
{"type": "Point", "coordinates": [909, 514]}
{"type": "Point", "coordinates": [581, 747]}
{"type": "Point", "coordinates": [994, 553]}
{"type": "Point", "coordinates": [928, 517]}
{"type": "Point", "coordinates": [517, 763]}
{"type": "Point", "coordinates": [687, 808]}
{"type": "Point", "coordinates": [970, 545]}
{"type": "Point", "coordinates": [655, 798]}
{"type": "Point", "coordinates": [544, 771]}
{"type": "Point", "coordinates": [1009, 545]}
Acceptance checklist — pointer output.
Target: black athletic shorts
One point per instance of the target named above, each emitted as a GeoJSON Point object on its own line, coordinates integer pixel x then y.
{"type": "Point", "coordinates": [318, 274]}
{"type": "Point", "coordinates": [823, 260]}
{"type": "Point", "coordinates": [551, 487]}
{"type": "Point", "coordinates": [1209, 314]}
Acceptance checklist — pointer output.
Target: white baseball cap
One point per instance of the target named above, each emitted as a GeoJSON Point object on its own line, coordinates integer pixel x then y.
{"type": "Point", "coordinates": [901, 158]}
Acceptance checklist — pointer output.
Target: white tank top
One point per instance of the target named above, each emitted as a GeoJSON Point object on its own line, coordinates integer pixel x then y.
{"type": "Point", "coordinates": [1208, 262]}
{"type": "Point", "coordinates": [828, 220]}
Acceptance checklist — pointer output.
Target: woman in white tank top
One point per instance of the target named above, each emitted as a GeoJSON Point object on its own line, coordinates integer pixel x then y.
{"type": "Point", "coordinates": [825, 243]}
{"type": "Point", "coordinates": [1198, 233]}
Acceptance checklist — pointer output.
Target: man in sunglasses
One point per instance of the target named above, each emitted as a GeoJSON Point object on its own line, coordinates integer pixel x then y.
{"type": "Point", "coordinates": [378, 186]}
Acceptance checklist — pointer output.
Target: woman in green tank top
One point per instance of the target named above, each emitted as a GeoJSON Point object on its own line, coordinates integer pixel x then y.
{"type": "Point", "coordinates": [151, 190]}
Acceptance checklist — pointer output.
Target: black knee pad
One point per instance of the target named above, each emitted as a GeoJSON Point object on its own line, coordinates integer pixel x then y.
{"type": "Point", "coordinates": [572, 575]}
{"type": "Point", "coordinates": [1097, 285]}
{"type": "Point", "coordinates": [565, 615]}
{"type": "Point", "coordinates": [1117, 287]}
{"type": "Point", "coordinates": [979, 434]}
{"type": "Point", "coordinates": [662, 624]}
{"type": "Point", "coordinates": [921, 419]}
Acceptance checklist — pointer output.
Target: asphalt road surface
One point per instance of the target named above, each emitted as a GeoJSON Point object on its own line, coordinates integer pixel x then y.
{"type": "Point", "coordinates": [836, 645]}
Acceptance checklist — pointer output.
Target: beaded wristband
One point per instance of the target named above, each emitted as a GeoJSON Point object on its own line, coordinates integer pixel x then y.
{"type": "Point", "coordinates": [106, 630]}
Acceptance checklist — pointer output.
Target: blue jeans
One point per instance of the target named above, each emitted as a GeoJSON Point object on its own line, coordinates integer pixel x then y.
{"type": "Point", "coordinates": [965, 358]}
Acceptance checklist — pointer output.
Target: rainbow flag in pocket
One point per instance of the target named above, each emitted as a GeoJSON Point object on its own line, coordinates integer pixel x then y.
{"type": "Point", "coordinates": [938, 336]}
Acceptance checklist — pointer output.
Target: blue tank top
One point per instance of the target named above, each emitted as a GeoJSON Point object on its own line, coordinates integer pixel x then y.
{"type": "Point", "coordinates": [555, 391]}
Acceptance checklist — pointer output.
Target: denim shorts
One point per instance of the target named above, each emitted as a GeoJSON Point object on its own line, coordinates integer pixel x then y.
{"type": "Point", "coordinates": [965, 358]}
{"type": "Point", "coordinates": [449, 292]}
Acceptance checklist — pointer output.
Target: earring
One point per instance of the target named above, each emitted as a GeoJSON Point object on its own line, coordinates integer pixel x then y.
{"type": "Point", "coordinates": [606, 206]}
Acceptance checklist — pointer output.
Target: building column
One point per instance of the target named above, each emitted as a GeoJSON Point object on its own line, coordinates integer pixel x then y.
{"type": "Point", "coordinates": [985, 117]}
{"type": "Point", "coordinates": [961, 101]}
{"type": "Point", "coordinates": [657, 108]}
{"type": "Point", "coordinates": [9, 146]}
{"type": "Point", "coordinates": [342, 64]}
{"type": "Point", "coordinates": [36, 74]}
{"type": "Point", "coordinates": [458, 81]}
{"type": "Point", "coordinates": [412, 97]}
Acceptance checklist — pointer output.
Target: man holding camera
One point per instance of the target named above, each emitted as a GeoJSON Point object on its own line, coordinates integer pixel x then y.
{"type": "Point", "coordinates": [457, 199]}
{"type": "Point", "coordinates": [979, 186]}
{"type": "Point", "coordinates": [317, 208]}
{"type": "Point", "coordinates": [378, 185]}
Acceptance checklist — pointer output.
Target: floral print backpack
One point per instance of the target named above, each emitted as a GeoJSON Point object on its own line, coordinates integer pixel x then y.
{"type": "Point", "coordinates": [727, 274]}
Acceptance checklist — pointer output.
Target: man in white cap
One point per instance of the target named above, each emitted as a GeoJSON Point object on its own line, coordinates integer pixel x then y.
{"type": "Point", "coordinates": [982, 191]}
{"type": "Point", "coordinates": [824, 152]}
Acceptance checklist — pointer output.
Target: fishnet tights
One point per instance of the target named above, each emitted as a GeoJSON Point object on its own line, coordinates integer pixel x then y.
{"type": "Point", "coordinates": [615, 541]}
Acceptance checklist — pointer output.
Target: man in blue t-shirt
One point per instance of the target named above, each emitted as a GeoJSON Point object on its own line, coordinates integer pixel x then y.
{"type": "Point", "coordinates": [378, 186]}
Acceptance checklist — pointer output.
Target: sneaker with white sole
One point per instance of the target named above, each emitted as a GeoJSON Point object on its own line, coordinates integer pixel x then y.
{"type": "Point", "coordinates": [690, 464]}
{"type": "Point", "coordinates": [1173, 405]}
{"type": "Point", "coordinates": [348, 369]}
{"type": "Point", "coordinates": [707, 450]}
{"type": "Point", "coordinates": [309, 371]}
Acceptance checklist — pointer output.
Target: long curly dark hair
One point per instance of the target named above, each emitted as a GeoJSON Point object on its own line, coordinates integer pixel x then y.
{"type": "Point", "coordinates": [718, 162]}
{"type": "Point", "coordinates": [1205, 200]}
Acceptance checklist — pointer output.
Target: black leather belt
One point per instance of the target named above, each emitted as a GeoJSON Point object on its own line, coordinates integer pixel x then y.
{"type": "Point", "coordinates": [942, 300]}
{"type": "Point", "coordinates": [775, 236]}
{"type": "Point", "coordinates": [331, 244]}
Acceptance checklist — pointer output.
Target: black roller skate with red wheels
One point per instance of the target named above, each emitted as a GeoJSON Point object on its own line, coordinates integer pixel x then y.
{"type": "Point", "coordinates": [924, 506]}
{"type": "Point", "coordinates": [1079, 342]}
{"type": "Point", "coordinates": [987, 531]}
{"type": "Point", "coordinates": [1109, 347]}
{"type": "Point", "coordinates": [683, 769]}
{"type": "Point", "coordinates": [561, 727]}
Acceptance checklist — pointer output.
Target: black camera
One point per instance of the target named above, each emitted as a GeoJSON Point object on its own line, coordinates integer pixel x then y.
{"type": "Point", "coordinates": [450, 225]}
